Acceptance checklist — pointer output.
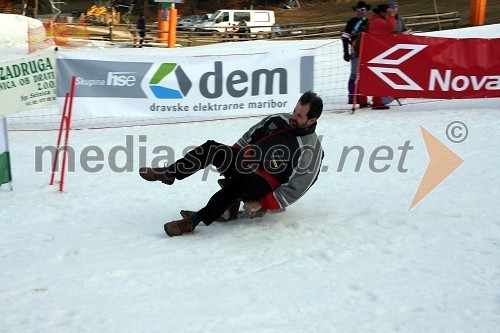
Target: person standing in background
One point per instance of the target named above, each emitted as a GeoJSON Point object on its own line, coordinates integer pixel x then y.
{"type": "Point", "coordinates": [141, 26]}
{"type": "Point", "coordinates": [382, 21]}
{"type": "Point", "coordinates": [351, 32]}
{"type": "Point", "coordinates": [400, 23]}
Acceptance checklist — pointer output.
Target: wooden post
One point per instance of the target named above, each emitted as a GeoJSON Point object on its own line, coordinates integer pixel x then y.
{"type": "Point", "coordinates": [437, 15]}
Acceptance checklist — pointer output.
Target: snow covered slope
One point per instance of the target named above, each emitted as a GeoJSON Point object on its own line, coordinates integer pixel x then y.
{"type": "Point", "coordinates": [347, 257]}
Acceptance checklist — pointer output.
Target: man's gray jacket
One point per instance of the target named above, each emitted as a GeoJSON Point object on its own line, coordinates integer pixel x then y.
{"type": "Point", "coordinates": [288, 158]}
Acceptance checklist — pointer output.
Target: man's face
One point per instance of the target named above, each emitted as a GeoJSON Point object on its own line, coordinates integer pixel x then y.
{"type": "Point", "coordinates": [299, 117]}
{"type": "Point", "coordinates": [360, 12]}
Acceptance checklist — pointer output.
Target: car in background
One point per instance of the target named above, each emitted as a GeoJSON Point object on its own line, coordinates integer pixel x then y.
{"type": "Point", "coordinates": [191, 22]}
{"type": "Point", "coordinates": [225, 20]}
{"type": "Point", "coordinates": [187, 22]}
{"type": "Point", "coordinates": [288, 30]}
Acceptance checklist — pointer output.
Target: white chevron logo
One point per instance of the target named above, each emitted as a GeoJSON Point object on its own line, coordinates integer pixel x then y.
{"type": "Point", "coordinates": [382, 72]}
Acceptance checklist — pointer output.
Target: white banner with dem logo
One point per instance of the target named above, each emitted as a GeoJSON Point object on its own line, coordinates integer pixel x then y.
{"type": "Point", "coordinates": [185, 86]}
{"type": "Point", "coordinates": [28, 83]}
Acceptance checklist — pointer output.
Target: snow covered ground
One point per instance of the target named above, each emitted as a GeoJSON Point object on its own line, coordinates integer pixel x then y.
{"type": "Point", "coordinates": [348, 257]}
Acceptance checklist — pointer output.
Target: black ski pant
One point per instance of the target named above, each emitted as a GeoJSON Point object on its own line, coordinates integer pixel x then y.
{"type": "Point", "coordinates": [243, 184]}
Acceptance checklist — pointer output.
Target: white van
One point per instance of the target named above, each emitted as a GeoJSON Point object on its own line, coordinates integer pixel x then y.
{"type": "Point", "coordinates": [224, 20]}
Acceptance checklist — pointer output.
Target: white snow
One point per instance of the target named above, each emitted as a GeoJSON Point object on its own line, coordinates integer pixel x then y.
{"type": "Point", "coordinates": [483, 31]}
{"type": "Point", "coordinates": [347, 257]}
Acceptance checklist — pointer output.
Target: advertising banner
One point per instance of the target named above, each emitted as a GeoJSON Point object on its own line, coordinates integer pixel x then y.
{"type": "Point", "coordinates": [430, 67]}
{"type": "Point", "coordinates": [28, 83]}
{"type": "Point", "coordinates": [184, 86]}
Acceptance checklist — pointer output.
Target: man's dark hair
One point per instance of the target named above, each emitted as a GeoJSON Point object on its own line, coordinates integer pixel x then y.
{"type": "Point", "coordinates": [315, 104]}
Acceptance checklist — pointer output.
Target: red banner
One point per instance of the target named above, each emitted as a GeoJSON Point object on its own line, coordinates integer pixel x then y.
{"type": "Point", "coordinates": [430, 67]}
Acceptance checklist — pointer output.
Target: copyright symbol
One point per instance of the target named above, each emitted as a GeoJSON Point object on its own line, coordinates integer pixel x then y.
{"type": "Point", "coordinates": [457, 132]}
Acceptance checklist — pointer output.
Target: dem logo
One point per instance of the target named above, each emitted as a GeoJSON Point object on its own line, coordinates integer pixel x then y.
{"type": "Point", "coordinates": [183, 82]}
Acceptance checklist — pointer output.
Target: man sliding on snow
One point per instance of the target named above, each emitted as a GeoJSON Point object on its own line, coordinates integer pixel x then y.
{"type": "Point", "coordinates": [273, 164]}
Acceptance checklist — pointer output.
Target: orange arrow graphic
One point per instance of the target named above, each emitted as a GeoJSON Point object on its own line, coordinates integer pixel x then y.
{"type": "Point", "coordinates": [442, 162]}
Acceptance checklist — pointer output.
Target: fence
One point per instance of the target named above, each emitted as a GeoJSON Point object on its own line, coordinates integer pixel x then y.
{"type": "Point", "coordinates": [432, 20]}
{"type": "Point", "coordinates": [301, 31]}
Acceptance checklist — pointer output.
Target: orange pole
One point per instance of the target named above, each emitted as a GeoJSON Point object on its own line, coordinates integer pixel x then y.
{"type": "Point", "coordinates": [472, 12]}
{"type": "Point", "coordinates": [477, 11]}
{"type": "Point", "coordinates": [162, 25]}
{"type": "Point", "coordinates": [481, 11]}
{"type": "Point", "coordinates": [172, 26]}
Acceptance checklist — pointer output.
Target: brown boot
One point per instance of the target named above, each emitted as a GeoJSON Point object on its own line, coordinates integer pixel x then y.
{"type": "Point", "coordinates": [177, 228]}
{"type": "Point", "coordinates": [154, 174]}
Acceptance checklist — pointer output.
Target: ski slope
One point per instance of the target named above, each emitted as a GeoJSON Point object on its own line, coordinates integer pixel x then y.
{"type": "Point", "coordinates": [348, 257]}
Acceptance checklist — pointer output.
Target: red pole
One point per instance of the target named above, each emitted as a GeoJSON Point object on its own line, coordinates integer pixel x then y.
{"type": "Point", "coordinates": [68, 128]}
{"type": "Point", "coordinates": [54, 164]}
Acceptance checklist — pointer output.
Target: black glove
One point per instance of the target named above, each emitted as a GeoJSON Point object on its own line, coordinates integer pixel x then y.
{"type": "Point", "coordinates": [347, 56]}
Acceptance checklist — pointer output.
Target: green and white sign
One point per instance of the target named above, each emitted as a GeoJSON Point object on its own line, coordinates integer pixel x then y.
{"type": "Point", "coordinates": [28, 83]}
{"type": "Point", "coordinates": [5, 174]}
